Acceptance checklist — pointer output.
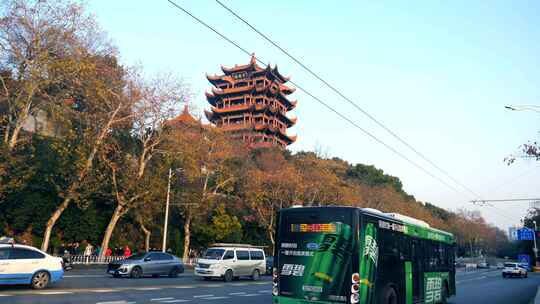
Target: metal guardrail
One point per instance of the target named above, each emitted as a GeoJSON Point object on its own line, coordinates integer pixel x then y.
{"type": "Point", "coordinates": [97, 260]}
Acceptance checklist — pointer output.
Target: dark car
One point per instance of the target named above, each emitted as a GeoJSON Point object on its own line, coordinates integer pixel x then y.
{"type": "Point", "coordinates": [269, 264]}
{"type": "Point", "coordinates": [150, 263]}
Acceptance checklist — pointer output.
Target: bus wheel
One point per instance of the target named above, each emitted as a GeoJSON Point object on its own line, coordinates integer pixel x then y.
{"type": "Point", "coordinates": [388, 296]}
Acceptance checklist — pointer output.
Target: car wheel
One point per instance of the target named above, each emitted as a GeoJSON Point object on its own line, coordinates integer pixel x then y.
{"type": "Point", "coordinates": [526, 274]}
{"type": "Point", "coordinates": [40, 280]}
{"type": "Point", "coordinates": [255, 276]}
{"type": "Point", "coordinates": [136, 272]}
{"type": "Point", "coordinates": [388, 296]}
{"type": "Point", "coordinates": [228, 276]}
{"type": "Point", "coordinates": [173, 273]}
{"type": "Point", "coordinates": [504, 275]}
{"type": "Point", "coordinates": [115, 275]}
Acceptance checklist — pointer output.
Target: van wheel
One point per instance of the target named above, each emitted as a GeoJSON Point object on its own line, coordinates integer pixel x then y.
{"type": "Point", "coordinates": [228, 276]}
{"type": "Point", "coordinates": [40, 280]}
{"type": "Point", "coordinates": [255, 276]}
{"type": "Point", "coordinates": [388, 296]}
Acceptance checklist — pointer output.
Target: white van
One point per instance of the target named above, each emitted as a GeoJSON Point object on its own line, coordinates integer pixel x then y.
{"type": "Point", "coordinates": [230, 261]}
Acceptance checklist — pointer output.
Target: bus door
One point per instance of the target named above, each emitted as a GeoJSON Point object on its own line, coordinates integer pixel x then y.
{"type": "Point", "coordinates": [417, 257]}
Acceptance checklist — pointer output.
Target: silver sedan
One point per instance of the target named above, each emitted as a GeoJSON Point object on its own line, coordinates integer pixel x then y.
{"type": "Point", "coordinates": [150, 263]}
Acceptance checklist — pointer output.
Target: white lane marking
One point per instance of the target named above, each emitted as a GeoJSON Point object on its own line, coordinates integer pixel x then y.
{"type": "Point", "coordinates": [265, 291]}
{"type": "Point", "coordinates": [148, 288]}
{"type": "Point", "coordinates": [103, 290]}
{"type": "Point", "coordinates": [53, 292]}
{"type": "Point", "coordinates": [116, 302]}
{"type": "Point", "coordinates": [217, 298]}
{"type": "Point", "coordinates": [261, 283]}
{"type": "Point", "coordinates": [203, 296]}
{"type": "Point", "coordinates": [176, 301]}
{"type": "Point", "coordinates": [236, 293]}
{"type": "Point", "coordinates": [5, 295]}
{"type": "Point", "coordinates": [86, 276]}
{"type": "Point", "coordinates": [250, 295]}
{"type": "Point", "coordinates": [182, 287]}
{"type": "Point", "coordinates": [479, 278]}
{"type": "Point", "coordinates": [162, 299]}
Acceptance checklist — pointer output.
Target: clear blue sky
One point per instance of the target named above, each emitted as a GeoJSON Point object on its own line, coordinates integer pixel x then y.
{"type": "Point", "coordinates": [438, 73]}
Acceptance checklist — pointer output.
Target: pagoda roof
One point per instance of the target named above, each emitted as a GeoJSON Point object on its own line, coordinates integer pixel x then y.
{"type": "Point", "coordinates": [281, 92]}
{"type": "Point", "coordinates": [216, 79]}
{"type": "Point", "coordinates": [252, 66]}
{"type": "Point", "coordinates": [184, 118]}
{"type": "Point", "coordinates": [217, 112]}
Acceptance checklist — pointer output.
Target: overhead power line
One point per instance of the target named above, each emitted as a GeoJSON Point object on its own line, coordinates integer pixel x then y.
{"type": "Point", "coordinates": [354, 104]}
{"type": "Point", "coordinates": [506, 200]}
{"type": "Point", "coordinates": [318, 100]}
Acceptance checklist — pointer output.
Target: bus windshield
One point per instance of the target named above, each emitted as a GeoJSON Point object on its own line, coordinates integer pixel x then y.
{"type": "Point", "coordinates": [314, 253]}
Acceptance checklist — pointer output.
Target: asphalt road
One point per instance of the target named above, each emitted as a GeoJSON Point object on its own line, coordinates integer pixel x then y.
{"type": "Point", "coordinates": [488, 286]}
{"type": "Point", "coordinates": [93, 287]}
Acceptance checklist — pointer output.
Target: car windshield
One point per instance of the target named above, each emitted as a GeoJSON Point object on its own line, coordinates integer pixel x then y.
{"type": "Point", "coordinates": [137, 256]}
{"type": "Point", "coordinates": [214, 254]}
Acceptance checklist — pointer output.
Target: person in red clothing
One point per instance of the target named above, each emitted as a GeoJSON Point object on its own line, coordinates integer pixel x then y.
{"type": "Point", "coordinates": [127, 251]}
{"type": "Point", "coordinates": [108, 252]}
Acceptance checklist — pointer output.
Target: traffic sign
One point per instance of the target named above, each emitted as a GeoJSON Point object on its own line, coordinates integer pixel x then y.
{"type": "Point", "coordinates": [525, 234]}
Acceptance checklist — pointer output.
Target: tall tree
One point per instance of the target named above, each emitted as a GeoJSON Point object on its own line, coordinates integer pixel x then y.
{"type": "Point", "coordinates": [129, 152]}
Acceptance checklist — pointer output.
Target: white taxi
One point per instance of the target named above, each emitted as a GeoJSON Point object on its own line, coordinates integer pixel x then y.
{"type": "Point", "coordinates": [20, 264]}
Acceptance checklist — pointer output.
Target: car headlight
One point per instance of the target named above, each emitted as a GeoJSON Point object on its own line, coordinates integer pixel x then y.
{"type": "Point", "coordinates": [214, 266]}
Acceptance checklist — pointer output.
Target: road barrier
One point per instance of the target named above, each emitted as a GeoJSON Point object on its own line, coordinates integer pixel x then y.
{"type": "Point", "coordinates": [96, 260]}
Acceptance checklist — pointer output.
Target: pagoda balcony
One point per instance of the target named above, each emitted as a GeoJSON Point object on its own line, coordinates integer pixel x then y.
{"type": "Point", "coordinates": [234, 108]}
{"type": "Point", "coordinates": [236, 126]}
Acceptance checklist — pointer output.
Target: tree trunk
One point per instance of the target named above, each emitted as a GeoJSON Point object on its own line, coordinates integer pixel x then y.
{"type": "Point", "coordinates": [14, 136]}
{"type": "Point", "coordinates": [187, 236]}
{"type": "Point", "coordinates": [117, 214]}
{"type": "Point", "coordinates": [52, 220]}
{"type": "Point", "coordinates": [271, 236]}
{"type": "Point", "coordinates": [75, 185]}
{"type": "Point", "coordinates": [146, 237]}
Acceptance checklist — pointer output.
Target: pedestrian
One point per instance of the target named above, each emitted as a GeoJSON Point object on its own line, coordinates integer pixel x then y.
{"type": "Point", "coordinates": [108, 252]}
{"type": "Point", "coordinates": [88, 250]}
{"type": "Point", "coordinates": [76, 248]}
{"type": "Point", "coordinates": [127, 252]}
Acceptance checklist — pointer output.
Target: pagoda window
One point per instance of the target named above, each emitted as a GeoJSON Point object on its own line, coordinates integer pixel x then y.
{"type": "Point", "coordinates": [259, 101]}
{"type": "Point", "coordinates": [242, 84]}
{"type": "Point", "coordinates": [240, 75]}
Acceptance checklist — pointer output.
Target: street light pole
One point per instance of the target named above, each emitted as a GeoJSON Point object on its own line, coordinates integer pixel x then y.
{"type": "Point", "coordinates": [535, 247]}
{"type": "Point", "coordinates": [164, 246]}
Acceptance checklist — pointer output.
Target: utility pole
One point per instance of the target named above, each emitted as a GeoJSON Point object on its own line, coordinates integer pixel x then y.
{"type": "Point", "coordinates": [164, 246]}
{"type": "Point", "coordinates": [535, 247]}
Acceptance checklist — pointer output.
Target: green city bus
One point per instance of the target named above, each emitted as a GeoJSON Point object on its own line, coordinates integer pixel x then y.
{"type": "Point", "coordinates": [360, 255]}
